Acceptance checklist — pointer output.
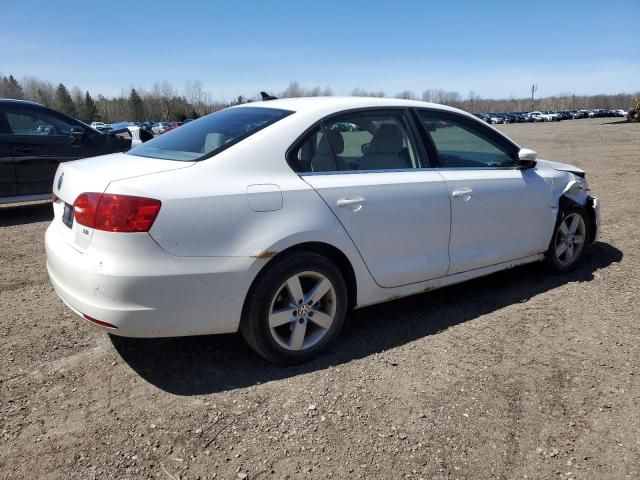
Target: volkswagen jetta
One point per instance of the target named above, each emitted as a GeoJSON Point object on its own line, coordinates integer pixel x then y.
{"type": "Point", "coordinates": [272, 219]}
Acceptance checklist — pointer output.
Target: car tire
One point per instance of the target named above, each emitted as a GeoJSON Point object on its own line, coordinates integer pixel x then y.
{"type": "Point", "coordinates": [569, 240]}
{"type": "Point", "coordinates": [288, 330]}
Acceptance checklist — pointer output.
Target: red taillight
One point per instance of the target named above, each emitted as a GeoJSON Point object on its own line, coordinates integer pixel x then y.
{"type": "Point", "coordinates": [85, 208]}
{"type": "Point", "coordinates": [116, 213]}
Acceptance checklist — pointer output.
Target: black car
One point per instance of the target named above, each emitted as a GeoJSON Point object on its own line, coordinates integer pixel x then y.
{"type": "Point", "coordinates": [35, 139]}
{"type": "Point", "coordinates": [146, 125]}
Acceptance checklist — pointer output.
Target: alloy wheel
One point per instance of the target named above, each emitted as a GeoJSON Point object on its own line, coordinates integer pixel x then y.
{"type": "Point", "coordinates": [302, 311]}
{"type": "Point", "coordinates": [570, 239]}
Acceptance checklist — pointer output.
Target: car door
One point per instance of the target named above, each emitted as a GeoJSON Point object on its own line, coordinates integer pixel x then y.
{"type": "Point", "coordinates": [8, 183]}
{"type": "Point", "coordinates": [498, 211]}
{"type": "Point", "coordinates": [39, 141]}
{"type": "Point", "coordinates": [368, 168]}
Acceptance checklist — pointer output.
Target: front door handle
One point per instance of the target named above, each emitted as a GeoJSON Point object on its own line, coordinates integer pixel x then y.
{"type": "Point", "coordinates": [463, 192]}
{"type": "Point", "coordinates": [345, 202]}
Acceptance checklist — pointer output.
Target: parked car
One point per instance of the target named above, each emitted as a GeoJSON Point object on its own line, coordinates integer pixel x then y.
{"type": "Point", "coordinates": [131, 131]}
{"type": "Point", "coordinates": [539, 116]}
{"type": "Point", "coordinates": [34, 139]}
{"type": "Point", "coordinates": [159, 128]}
{"type": "Point", "coordinates": [287, 222]}
{"type": "Point", "coordinates": [514, 117]}
{"type": "Point", "coordinates": [344, 127]}
{"type": "Point", "coordinates": [553, 116]}
{"type": "Point", "coordinates": [146, 126]}
{"type": "Point", "coordinates": [494, 118]}
{"type": "Point", "coordinates": [525, 117]}
{"type": "Point", "coordinates": [172, 126]}
{"type": "Point", "coordinates": [99, 125]}
{"type": "Point", "coordinates": [598, 113]}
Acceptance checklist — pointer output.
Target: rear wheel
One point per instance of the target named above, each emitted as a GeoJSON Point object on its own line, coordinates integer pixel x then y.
{"type": "Point", "coordinates": [296, 308]}
{"type": "Point", "coordinates": [633, 115]}
{"type": "Point", "coordinates": [569, 239]}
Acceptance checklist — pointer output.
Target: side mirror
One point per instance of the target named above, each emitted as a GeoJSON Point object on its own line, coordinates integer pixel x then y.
{"type": "Point", "coordinates": [77, 132]}
{"type": "Point", "coordinates": [364, 148]}
{"type": "Point", "coordinates": [526, 158]}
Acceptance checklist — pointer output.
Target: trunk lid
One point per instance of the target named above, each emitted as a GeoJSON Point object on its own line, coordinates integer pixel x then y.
{"type": "Point", "coordinates": [94, 175]}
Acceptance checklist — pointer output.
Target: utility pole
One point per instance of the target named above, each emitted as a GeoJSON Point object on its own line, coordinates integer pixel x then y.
{"type": "Point", "coordinates": [534, 89]}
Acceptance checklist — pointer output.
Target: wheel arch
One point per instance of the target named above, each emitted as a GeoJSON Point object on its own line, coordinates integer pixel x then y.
{"type": "Point", "coordinates": [565, 201]}
{"type": "Point", "coordinates": [331, 252]}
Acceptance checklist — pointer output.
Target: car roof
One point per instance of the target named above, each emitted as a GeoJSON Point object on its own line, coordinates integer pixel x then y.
{"type": "Point", "coordinates": [22, 102]}
{"type": "Point", "coordinates": [311, 109]}
{"type": "Point", "coordinates": [310, 104]}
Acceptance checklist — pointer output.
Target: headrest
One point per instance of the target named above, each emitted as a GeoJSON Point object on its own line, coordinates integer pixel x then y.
{"type": "Point", "coordinates": [387, 139]}
{"type": "Point", "coordinates": [335, 140]}
{"type": "Point", "coordinates": [213, 141]}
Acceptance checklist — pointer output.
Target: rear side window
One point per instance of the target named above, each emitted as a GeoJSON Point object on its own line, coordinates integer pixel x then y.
{"type": "Point", "coordinates": [367, 141]}
{"type": "Point", "coordinates": [209, 135]}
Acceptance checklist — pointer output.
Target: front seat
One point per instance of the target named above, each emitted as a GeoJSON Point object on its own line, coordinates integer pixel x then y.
{"type": "Point", "coordinates": [323, 161]}
{"type": "Point", "coordinates": [386, 150]}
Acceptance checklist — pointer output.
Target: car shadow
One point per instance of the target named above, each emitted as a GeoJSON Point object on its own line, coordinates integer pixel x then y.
{"type": "Point", "coordinates": [618, 122]}
{"type": "Point", "coordinates": [215, 363]}
{"type": "Point", "coordinates": [22, 214]}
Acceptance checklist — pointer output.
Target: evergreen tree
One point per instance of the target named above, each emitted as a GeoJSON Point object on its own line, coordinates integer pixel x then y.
{"type": "Point", "coordinates": [78, 101]}
{"type": "Point", "coordinates": [45, 97]}
{"type": "Point", "coordinates": [11, 88]}
{"type": "Point", "coordinates": [136, 106]}
{"type": "Point", "coordinates": [64, 102]}
{"type": "Point", "coordinates": [89, 109]}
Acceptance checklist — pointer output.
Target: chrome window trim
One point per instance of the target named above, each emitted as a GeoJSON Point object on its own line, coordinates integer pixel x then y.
{"type": "Point", "coordinates": [352, 172]}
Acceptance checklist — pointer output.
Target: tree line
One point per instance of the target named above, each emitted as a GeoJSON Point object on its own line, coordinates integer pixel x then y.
{"type": "Point", "coordinates": [164, 102]}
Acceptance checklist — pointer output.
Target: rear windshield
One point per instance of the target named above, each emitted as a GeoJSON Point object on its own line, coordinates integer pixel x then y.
{"type": "Point", "coordinates": [209, 135]}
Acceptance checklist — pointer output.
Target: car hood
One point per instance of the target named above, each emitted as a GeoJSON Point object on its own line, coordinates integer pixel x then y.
{"type": "Point", "coordinates": [563, 167]}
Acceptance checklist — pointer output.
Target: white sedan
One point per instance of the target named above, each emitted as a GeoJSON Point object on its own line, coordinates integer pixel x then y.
{"type": "Point", "coordinates": [271, 219]}
{"type": "Point", "coordinates": [541, 117]}
{"type": "Point", "coordinates": [159, 128]}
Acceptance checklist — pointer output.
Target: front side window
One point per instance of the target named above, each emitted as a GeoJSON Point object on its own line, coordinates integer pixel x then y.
{"type": "Point", "coordinates": [460, 143]}
{"type": "Point", "coordinates": [358, 142]}
{"type": "Point", "coordinates": [31, 122]}
{"type": "Point", "coordinates": [209, 135]}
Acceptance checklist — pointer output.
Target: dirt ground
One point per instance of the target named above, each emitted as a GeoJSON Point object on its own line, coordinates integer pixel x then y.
{"type": "Point", "coordinates": [517, 375]}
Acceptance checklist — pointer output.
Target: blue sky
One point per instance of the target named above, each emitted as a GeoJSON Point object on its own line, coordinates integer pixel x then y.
{"type": "Point", "coordinates": [495, 48]}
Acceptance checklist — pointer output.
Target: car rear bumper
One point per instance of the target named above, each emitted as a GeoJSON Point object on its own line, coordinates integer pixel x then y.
{"type": "Point", "coordinates": [152, 294]}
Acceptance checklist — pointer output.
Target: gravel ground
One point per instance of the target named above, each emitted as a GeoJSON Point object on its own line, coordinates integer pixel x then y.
{"type": "Point", "coordinates": [517, 375]}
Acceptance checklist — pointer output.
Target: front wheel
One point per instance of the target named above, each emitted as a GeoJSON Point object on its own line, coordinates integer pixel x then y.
{"type": "Point", "coordinates": [633, 115]}
{"type": "Point", "coordinates": [295, 309]}
{"type": "Point", "coordinates": [569, 240]}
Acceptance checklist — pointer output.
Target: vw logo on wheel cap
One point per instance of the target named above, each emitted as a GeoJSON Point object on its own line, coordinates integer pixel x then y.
{"type": "Point", "coordinates": [60, 180]}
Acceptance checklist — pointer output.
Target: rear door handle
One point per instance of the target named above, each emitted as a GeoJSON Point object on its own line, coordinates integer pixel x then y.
{"type": "Point", "coordinates": [463, 192]}
{"type": "Point", "coordinates": [345, 202]}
